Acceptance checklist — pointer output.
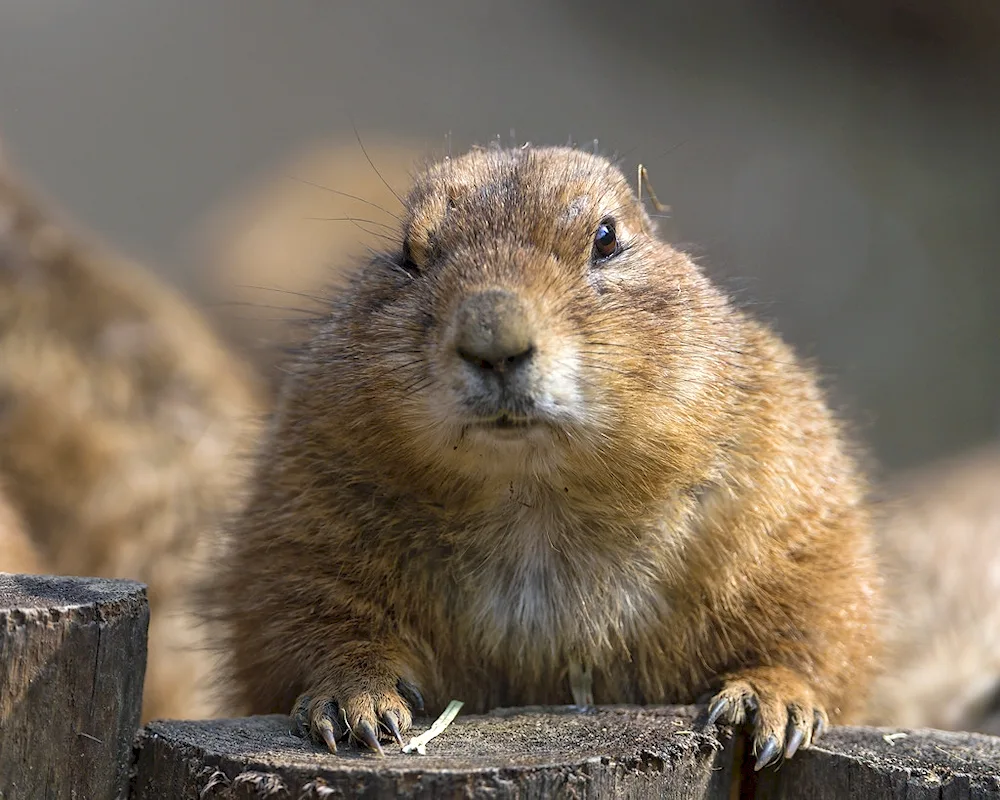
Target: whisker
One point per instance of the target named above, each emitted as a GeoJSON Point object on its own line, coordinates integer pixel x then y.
{"type": "Point", "coordinates": [322, 300]}
{"type": "Point", "coordinates": [249, 304]}
{"type": "Point", "coordinates": [372, 165]}
{"type": "Point", "coordinates": [323, 188]}
{"type": "Point", "coordinates": [354, 220]}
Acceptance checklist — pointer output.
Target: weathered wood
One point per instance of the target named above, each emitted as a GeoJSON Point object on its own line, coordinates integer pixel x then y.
{"type": "Point", "coordinates": [72, 655]}
{"type": "Point", "coordinates": [72, 659]}
{"type": "Point", "coordinates": [862, 763]}
{"type": "Point", "coordinates": [536, 753]}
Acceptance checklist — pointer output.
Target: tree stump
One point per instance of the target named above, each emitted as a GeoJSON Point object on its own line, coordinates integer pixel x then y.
{"type": "Point", "coordinates": [72, 660]}
{"type": "Point", "coordinates": [880, 763]}
{"type": "Point", "coordinates": [72, 657]}
{"type": "Point", "coordinates": [524, 753]}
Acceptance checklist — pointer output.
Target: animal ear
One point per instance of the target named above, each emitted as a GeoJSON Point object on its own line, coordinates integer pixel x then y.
{"type": "Point", "coordinates": [406, 262]}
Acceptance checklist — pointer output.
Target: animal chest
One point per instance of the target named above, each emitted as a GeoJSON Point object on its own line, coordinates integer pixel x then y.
{"type": "Point", "coordinates": [542, 589]}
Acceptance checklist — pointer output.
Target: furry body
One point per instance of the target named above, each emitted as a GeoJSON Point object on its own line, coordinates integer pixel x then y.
{"type": "Point", "coordinates": [503, 454]}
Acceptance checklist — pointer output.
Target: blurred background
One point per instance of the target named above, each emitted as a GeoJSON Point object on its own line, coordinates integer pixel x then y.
{"type": "Point", "coordinates": [834, 162]}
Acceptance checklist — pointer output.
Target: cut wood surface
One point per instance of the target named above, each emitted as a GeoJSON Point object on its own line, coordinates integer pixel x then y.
{"type": "Point", "coordinates": [524, 753]}
{"type": "Point", "coordinates": [72, 658]}
{"type": "Point", "coordinates": [533, 753]}
{"type": "Point", "coordinates": [882, 763]}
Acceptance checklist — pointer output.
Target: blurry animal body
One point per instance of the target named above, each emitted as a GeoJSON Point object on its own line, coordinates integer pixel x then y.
{"type": "Point", "coordinates": [939, 546]}
{"type": "Point", "coordinates": [17, 551]}
{"type": "Point", "coordinates": [124, 425]}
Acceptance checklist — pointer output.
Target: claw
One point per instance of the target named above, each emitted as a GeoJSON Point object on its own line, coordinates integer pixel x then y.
{"type": "Point", "coordinates": [794, 740]}
{"type": "Point", "coordinates": [389, 720]}
{"type": "Point", "coordinates": [767, 753]}
{"type": "Point", "coordinates": [325, 727]}
{"type": "Point", "coordinates": [717, 709]}
{"type": "Point", "coordinates": [411, 694]}
{"type": "Point", "coordinates": [300, 716]}
{"type": "Point", "coordinates": [819, 726]}
{"type": "Point", "coordinates": [366, 734]}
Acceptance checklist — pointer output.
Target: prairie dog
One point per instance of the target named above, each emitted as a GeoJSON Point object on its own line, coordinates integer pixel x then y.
{"type": "Point", "coordinates": [533, 455]}
{"type": "Point", "coordinates": [124, 424]}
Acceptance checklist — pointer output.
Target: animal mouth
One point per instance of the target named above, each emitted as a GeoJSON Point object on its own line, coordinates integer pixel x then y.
{"type": "Point", "coordinates": [507, 423]}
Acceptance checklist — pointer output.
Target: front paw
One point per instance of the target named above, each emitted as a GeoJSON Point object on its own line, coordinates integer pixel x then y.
{"type": "Point", "coordinates": [327, 716]}
{"type": "Point", "coordinates": [780, 706]}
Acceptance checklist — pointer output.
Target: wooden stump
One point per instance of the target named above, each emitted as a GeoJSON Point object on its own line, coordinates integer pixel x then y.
{"type": "Point", "coordinates": [866, 763]}
{"type": "Point", "coordinates": [524, 753]}
{"type": "Point", "coordinates": [555, 752]}
{"type": "Point", "coordinates": [72, 659]}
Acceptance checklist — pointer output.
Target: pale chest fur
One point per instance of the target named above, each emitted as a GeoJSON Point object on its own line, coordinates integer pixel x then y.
{"type": "Point", "coordinates": [554, 586]}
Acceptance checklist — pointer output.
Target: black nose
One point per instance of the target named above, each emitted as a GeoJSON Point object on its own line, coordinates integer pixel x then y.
{"type": "Point", "coordinates": [493, 331]}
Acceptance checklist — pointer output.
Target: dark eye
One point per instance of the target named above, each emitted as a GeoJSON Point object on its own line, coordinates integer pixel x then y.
{"type": "Point", "coordinates": [605, 240]}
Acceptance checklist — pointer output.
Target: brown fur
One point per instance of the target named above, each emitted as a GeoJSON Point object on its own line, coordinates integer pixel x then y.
{"type": "Point", "coordinates": [122, 421]}
{"type": "Point", "coordinates": [17, 551]}
{"type": "Point", "coordinates": [687, 519]}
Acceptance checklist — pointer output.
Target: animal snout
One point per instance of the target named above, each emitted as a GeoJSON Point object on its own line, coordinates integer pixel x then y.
{"type": "Point", "coordinates": [494, 333]}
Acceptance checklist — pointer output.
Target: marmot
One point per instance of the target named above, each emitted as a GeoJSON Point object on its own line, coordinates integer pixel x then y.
{"type": "Point", "coordinates": [533, 455]}
{"type": "Point", "coordinates": [124, 425]}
